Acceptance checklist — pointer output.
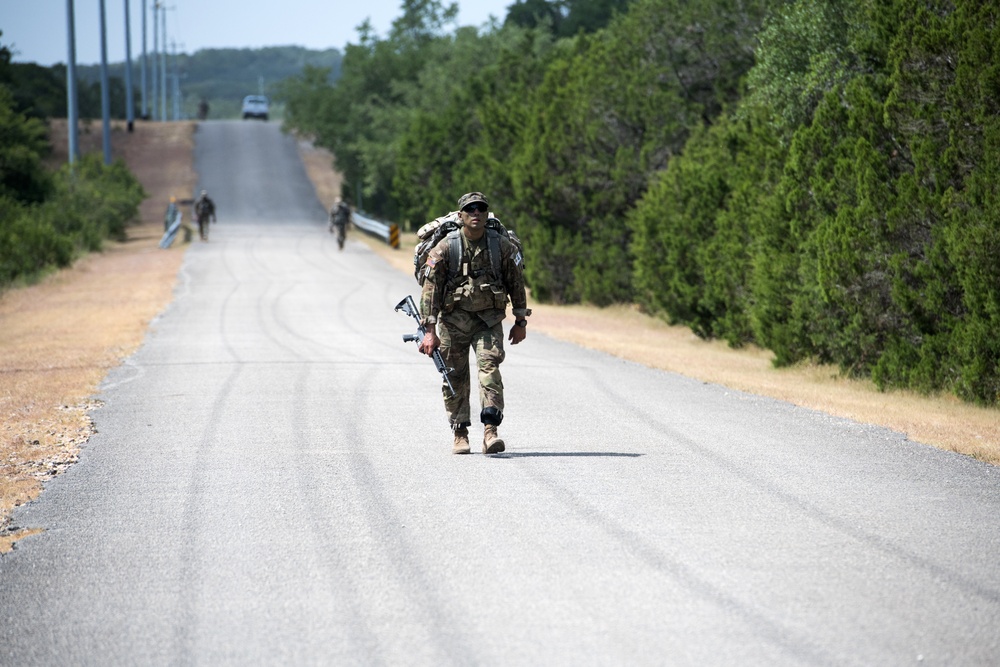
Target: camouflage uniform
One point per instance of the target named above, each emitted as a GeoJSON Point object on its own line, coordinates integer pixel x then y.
{"type": "Point", "coordinates": [468, 310]}
{"type": "Point", "coordinates": [204, 209]}
{"type": "Point", "coordinates": [340, 215]}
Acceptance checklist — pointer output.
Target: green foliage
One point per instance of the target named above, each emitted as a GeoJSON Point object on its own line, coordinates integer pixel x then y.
{"type": "Point", "coordinates": [944, 108]}
{"type": "Point", "coordinates": [565, 18]}
{"type": "Point", "coordinates": [693, 237]}
{"type": "Point", "coordinates": [468, 120]}
{"type": "Point", "coordinates": [39, 92]}
{"type": "Point", "coordinates": [882, 257]}
{"type": "Point", "coordinates": [611, 112]}
{"type": "Point", "coordinates": [22, 144]}
{"type": "Point", "coordinates": [88, 203]}
{"type": "Point", "coordinates": [804, 51]}
{"type": "Point", "coordinates": [28, 242]}
{"type": "Point", "coordinates": [816, 177]}
{"type": "Point", "coordinates": [97, 201]}
{"type": "Point", "coordinates": [553, 267]}
{"type": "Point", "coordinates": [363, 119]}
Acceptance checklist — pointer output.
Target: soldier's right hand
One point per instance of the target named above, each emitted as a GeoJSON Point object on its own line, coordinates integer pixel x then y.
{"type": "Point", "coordinates": [430, 343]}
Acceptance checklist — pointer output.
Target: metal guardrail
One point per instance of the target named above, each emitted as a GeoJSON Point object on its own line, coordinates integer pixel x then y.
{"type": "Point", "coordinates": [388, 232]}
{"type": "Point", "coordinates": [172, 222]}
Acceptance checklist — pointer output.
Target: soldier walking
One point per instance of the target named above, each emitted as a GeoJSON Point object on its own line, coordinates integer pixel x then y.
{"type": "Point", "coordinates": [204, 209]}
{"type": "Point", "coordinates": [471, 275]}
{"type": "Point", "coordinates": [340, 215]}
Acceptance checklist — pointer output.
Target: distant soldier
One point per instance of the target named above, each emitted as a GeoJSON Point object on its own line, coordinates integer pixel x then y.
{"type": "Point", "coordinates": [204, 209]}
{"type": "Point", "coordinates": [340, 216]}
{"type": "Point", "coordinates": [203, 109]}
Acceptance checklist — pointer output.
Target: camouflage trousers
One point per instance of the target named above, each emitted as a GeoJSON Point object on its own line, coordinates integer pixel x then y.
{"type": "Point", "coordinates": [486, 343]}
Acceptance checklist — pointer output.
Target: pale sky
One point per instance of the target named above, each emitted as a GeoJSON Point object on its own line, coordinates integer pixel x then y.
{"type": "Point", "coordinates": [35, 30]}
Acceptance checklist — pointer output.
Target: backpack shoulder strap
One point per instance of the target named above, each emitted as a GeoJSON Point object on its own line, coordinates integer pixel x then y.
{"type": "Point", "coordinates": [454, 253]}
{"type": "Point", "coordinates": [493, 244]}
{"type": "Point", "coordinates": [456, 256]}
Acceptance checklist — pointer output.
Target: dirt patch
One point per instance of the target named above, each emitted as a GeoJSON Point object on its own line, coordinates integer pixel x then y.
{"type": "Point", "coordinates": [319, 165]}
{"type": "Point", "coordinates": [61, 336]}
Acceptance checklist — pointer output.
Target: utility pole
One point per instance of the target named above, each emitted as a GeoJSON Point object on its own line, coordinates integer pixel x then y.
{"type": "Point", "coordinates": [145, 109]}
{"type": "Point", "coordinates": [163, 64]}
{"type": "Point", "coordinates": [105, 91]}
{"type": "Point", "coordinates": [154, 114]}
{"type": "Point", "coordinates": [176, 91]}
{"type": "Point", "coordinates": [71, 101]}
{"type": "Point", "coordinates": [129, 102]}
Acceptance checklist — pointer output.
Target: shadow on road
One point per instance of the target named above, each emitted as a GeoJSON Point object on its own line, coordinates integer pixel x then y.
{"type": "Point", "coordinates": [520, 455]}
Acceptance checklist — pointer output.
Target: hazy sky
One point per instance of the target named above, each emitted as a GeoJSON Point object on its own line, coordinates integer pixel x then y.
{"type": "Point", "coordinates": [35, 30]}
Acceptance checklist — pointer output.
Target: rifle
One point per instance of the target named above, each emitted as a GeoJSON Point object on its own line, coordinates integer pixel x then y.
{"type": "Point", "coordinates": [410, 308]}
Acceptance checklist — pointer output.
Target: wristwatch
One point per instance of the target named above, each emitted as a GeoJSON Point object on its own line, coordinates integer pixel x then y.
{"type": "Point", "coordinates": [521, 323]}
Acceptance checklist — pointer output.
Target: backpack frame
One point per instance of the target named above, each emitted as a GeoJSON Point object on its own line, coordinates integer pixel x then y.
{"type": "Point", "coordinates": [431, 234]}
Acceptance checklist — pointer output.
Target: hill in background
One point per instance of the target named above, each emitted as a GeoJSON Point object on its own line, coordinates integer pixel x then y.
{"type": "Point", "coordinates": [221, 77]}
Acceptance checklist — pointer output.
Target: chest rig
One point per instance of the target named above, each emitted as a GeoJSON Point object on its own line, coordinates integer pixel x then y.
{"type": "Point", "coordinates": [474, 282]}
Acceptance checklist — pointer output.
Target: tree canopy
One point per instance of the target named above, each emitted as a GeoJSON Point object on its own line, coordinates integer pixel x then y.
{"type": "Point", "coordinates": [814, 177]}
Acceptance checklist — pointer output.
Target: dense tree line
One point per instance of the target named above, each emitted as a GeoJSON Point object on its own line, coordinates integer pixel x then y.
{"type": "Point", "coordinates": [817, 177]}
{"type": "Point", "coordinates": [48, 219]}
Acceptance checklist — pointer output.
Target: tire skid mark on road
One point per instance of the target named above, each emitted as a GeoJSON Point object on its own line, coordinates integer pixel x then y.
{"type": "Point", "coordinates": [327, 535]}
{"type": "Point", "coordinates": [370, 505]}
{"type": "Point", "coordinates": [343, 313]}
{"type": "Point", "coordinates": [319, 344]}
{"type": "Point", "coordinates": [329, 248]}
{"type": "Point", "coordinates": [871, 540]}
{"type": "Point", "coordinates": [671, 564]}
{"type": "Point", "coordinates": [254, 256]}
{"type": "Point", "coordinates": [189, 576]}
{"type": "Point", "coordinates": [228, 250]}
{"type": "Point", "coordinates": [268, 321]}
{"type": "Point", "coordinates": [343, 308]}
{"type": "Point", "coordinates": [316, 346]}
{"type": "Point", "coordinates": [438, 617]}
{"type": "Point", "coordinates": [223, 329]}
{"type": "Point", "coordinates": [319, 243]}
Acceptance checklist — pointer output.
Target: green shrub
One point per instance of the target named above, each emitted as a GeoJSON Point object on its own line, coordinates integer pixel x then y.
{"type": "Point", "coordinates": [28, 243]}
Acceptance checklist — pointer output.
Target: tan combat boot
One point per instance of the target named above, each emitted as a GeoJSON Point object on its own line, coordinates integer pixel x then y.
{"type": "Point", "coordinates": [461, 445]}
{"type": "Point", "coordinates": [492, 444]}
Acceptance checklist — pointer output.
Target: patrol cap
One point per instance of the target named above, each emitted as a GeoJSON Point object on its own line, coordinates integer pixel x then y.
{"type": "Point", "coordinates": [471, 198]}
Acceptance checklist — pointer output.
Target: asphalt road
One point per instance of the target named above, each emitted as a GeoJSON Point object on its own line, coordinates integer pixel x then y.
{"type": "Point", "coordinates": [272, 483]}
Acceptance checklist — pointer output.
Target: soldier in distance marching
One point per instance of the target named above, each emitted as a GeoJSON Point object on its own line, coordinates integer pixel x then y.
{"type": "Point", "coordinates": [204, 210]}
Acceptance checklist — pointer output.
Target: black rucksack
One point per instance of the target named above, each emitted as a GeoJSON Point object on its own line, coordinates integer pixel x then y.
{"type": "Point", "coordinates": [431, 234]}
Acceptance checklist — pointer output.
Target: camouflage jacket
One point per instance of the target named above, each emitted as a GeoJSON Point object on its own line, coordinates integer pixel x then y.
{"type": "Point", "coordinates": [204, 208]}
{"type": "Point", "coordinates": [340, 214]}
{"type": "Point", "coordinates": [474, 292]}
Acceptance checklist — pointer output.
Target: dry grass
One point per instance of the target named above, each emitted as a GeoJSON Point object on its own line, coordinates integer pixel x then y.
{"type": "Point", "coordinates": [319, 165]}
{"type": "Point", "coordinates": [60, 337]}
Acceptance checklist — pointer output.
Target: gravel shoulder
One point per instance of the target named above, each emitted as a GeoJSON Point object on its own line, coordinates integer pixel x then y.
{"type": "Point", "coordinates": [60, 337]}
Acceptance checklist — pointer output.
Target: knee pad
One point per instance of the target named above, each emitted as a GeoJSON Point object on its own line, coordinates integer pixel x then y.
{"type": "Point", "coordinates": [491, 416]}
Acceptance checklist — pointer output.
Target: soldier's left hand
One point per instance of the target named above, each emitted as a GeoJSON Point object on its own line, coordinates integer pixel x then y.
{"type": "Point", "coordinates": [517, 334]}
